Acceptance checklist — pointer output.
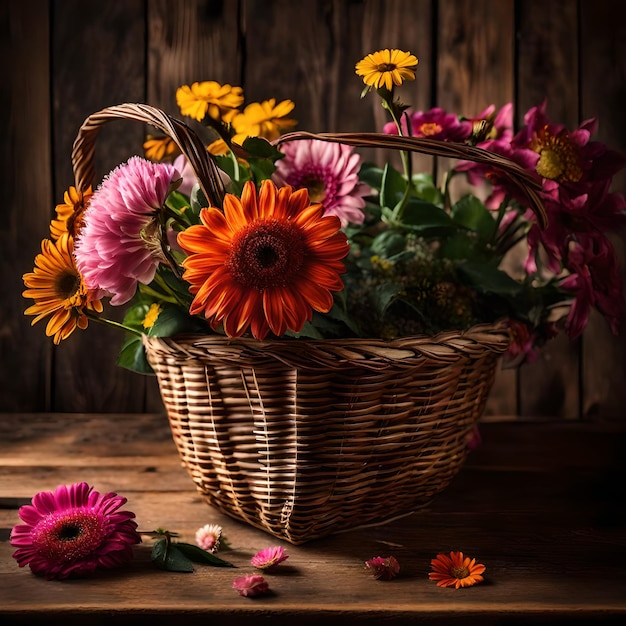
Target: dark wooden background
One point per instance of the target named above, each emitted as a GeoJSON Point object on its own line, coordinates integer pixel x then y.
{"type": "Point", "coordinates": [63, 59]}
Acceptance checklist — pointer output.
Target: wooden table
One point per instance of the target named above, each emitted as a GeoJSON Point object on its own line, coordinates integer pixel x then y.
{"type": "Point", "coordinates": [542, 505]}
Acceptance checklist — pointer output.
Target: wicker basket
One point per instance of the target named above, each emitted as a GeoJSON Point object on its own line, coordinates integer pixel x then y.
{"type": "Point", "coordinates": [305, 438]}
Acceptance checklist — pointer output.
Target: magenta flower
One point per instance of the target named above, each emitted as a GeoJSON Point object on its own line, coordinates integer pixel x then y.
{"type": "Point", "coordinates": [330, 171]}
{"type": "Point", "coordinates": [595, 281]}
{"type": "Point", "coordinates": [269, 557]}
{"type": "Point", "coordinates": [251, 585]}
{"type": "Point", "coordinates": [491, 125]}
{"type": "Point", "coordinates": [73, 532]}
{"type": "Point", "coordinates": [116, 247]}
{"type": "Point", "coordinates": [383, 568]}
{"type": "Point", "coordinates": [435, 123]}
{"type": "Point", "coordinates": [567, 157]}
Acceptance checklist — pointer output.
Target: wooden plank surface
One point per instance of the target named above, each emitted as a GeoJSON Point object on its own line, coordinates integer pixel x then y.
{"type": "Point", "coordinates": [541, 504]}
{"type": "Point", "coordinates": [99, 60]}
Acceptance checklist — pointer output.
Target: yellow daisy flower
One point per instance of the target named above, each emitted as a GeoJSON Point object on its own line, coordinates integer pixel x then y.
{"type": "Point", "coordinates": [219, 146]}
{"type": "Point", "coordinates": [151, 316]}
{"type": "Point", "coordinates": [160, 148]}
{"type": "Point", "coordinates": [386, 68]}
{"type": "Point", "coordinates": [220, 102]}
{"type": "Point", "coordinates": [263, 119]}
{"type": "Point", "coordinates": [70, 212]}
{"type": "Point", "coordinates": [58, 290]}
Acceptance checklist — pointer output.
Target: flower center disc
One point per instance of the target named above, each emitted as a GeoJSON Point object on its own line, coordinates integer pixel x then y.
{"type": "Point", "coordinates": [70, 535]}
{"type": "Point", "coordinates": [266, 254]}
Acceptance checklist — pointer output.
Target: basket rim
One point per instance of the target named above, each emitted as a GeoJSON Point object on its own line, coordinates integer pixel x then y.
{"type": "Point", "coordinates": [445, 347]}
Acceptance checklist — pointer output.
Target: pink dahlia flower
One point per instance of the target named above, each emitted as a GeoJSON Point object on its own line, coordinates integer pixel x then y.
{"type": "Point", "coordinates": [269, 557]}
{"type": "Point", "coordinates": [251, 585]}
{"type": "Point", "coordinates": [114, 250]}
{"type": "Point", "coordinates": [73, 531]}
{"type": "Point", "coordinates": [330, 172]}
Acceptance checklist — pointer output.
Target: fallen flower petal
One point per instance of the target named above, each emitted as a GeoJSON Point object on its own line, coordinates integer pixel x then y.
{"type": "Point", "coordinates": [269, 557]}
{"type": "Point", "coordinates": [251, 585]}
{"type": "Point", "coordinates": [383, 568]}
{"type": "Point", "coordinates": [456, 570]}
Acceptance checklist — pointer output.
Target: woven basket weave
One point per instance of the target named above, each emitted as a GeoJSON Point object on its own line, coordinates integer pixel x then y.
{"type": "Point", "coordinates": [304, 438]}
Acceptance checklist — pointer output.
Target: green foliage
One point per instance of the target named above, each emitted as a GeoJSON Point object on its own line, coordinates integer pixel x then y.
{"type": "Point", "coordinates": [176, 556]}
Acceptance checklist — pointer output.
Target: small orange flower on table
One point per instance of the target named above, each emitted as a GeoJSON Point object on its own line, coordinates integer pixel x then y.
{"type": "Point", "coordinates": [456, 570]}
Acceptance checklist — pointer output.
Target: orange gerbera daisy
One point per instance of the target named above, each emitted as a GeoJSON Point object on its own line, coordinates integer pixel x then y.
{"type": "Point", "coordinates": [58, 290]}
{"type": "Point", "coordinates": [456, 570]}
{"type": "Point", "coordinates": [70, 213]}
{"type": "Point", "coordinates": [264, 263]}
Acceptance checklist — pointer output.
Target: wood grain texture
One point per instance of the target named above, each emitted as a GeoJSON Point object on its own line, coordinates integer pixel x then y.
{"type": "Point", "coordinates": [70, 58]}
{"type": "Point", "coordinates": [547, 68]}
{"type": "Point", "coordinates": [540, 504]}
{"type": "Point", "coordinates": [98, 60]}
{"type": "Point", "coordinates": [603, 86]}
{"type": "Point", "coordinates": [25, 180]}
{"type": "Point", "coordinates": [474, 68]}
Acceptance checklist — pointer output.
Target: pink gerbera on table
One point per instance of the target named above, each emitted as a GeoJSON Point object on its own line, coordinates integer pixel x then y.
{"type": "Point", "coordinates": [74, 531]}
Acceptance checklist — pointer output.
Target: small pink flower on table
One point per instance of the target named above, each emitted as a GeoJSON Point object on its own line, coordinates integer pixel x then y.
{"type": "Point", "coordinates": [383, 568]}
{"type": "Point", "coordinates": [269, 557]}
{"type": "Point", "coordinates": [251, 585]}
{"type": "Point", "coordinates": [208, 537]}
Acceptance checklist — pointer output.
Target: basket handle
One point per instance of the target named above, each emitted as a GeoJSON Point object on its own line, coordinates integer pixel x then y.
{"type": "Point", "coordinates": [186, 139]}
{"type": "Point", "coordinates": [434, 147]}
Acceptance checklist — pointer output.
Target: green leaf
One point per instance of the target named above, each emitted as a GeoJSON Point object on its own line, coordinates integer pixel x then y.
{"type": "Point", "coordinates": [198, 555]}
{"type": "Point", "coordinates": [472, 214]}
{"type": "Point", "coordinates": [487, 278]}
{"type": "Point", "coordinates": [383, 296]}
{"type": "Point", "coordinates": [420, 215]}
{"type": "Point", "coordinates": [170, 558]}
{"type": "Point", "coordinates": [177, 201]}
{"type": "Point", "coordinates": [198, 200]}
{"type": "Point", "coordinates": [393, 186]}
{"type": "Point", "coordinates": [261, 148]}
{"type": "Point", "coordinates": [170, 321]}
{"type": "Point", "coordinates": [262, 168]}
{"type": "Point", "coordinates": [371, 175]}
{"type": "Point", "coordinates": [388, 243]}
{"type": "Point", "coordinates": [132, 356]}
{"type": "Point", "coordinates": [425, 188]}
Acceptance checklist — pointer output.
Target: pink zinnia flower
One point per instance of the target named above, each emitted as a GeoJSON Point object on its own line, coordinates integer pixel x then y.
{"type": "Point", "coordinates": [383, 568]}
{"type": "Point", "coordinates": [73, 531]}
{"type": "Point", "coordinates": [330, 172]}
{"type": "Point", "coordinates": [251, 585]}
{"type": "Point", "coordinates": [269, 557]}
{"type": "Point", "coordinates": [208, 537]}
{"type": "Point", "coordinates": [116, 247]}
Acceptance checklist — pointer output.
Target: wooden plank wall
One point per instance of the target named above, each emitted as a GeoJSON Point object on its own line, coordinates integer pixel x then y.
{"type": "Point", "coordinates": [67, 58]}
